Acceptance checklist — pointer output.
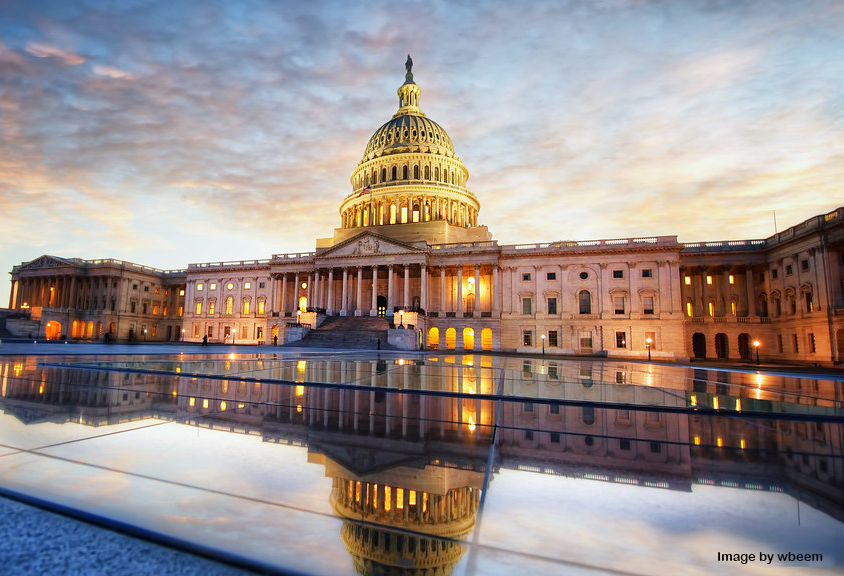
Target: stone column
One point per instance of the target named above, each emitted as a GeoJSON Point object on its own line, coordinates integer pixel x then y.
{"type": "Point", "coordinates": [374, 310]}
{"type": "Point", "coordinates": [316, 292]}
{"type": "Point", "coordinates": [751, 299]}
{"type": "Point", "coordinates": [460, 291]}
{"type": "Point", "coordinates": [423, 297]}
{"type": "Point", "coordinates": [478, 288]}
{"type": "Point", "coordinates": [496, 293]}
{"type": "Point", "coordinates": [358, 309]}
{"type": "Point", "coordinates": [390, 300]}
{"type": "Point", "coordinates": [406, 286]}
{"type": "Point", "coordinates": [330, 308]}
{"type": "Point", "coordinates": [283, 308]}
{"type": "Point", "coordinates": [443, 308]}
{"type": "Point", "coordinates": [73, 296]}
{"type": "Point", "coordinates": [295, 293]}
{"type": "Point", "coordinates": [344, 297]}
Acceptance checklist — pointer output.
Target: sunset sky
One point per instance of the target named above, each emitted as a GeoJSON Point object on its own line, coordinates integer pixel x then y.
{"type": "Point", "coordinates": [166, 133]}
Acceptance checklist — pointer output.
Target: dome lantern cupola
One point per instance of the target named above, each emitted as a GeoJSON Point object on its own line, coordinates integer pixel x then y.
{"type": "Point", "coordinates": [409, 93]}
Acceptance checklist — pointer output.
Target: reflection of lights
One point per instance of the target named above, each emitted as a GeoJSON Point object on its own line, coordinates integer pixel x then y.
{"type": "Point", "coordinates": [300, 390]}
{"type": "Point", "coordinates": [231, 356]}
{"type": "Point", "coordinates": [400, 362]}
{"type": "Point", "coordinates": [298, 408]}
{"type": "Point", "coordinates": [300, 365]}
{"type": "Point", "coordinates": [178, 369]}
{"type": "Point", "coordinates": [240, 405]}
{"type": "Point", "coordinates": [223, 406]}
{"type": "Point", "coordinates": [697, 440]}
{"type": "Point", "coordinates": [41, 389]}
{"type": "Point", "coordinates": [758, 380]}
{"type": "Point", "coordinates": [205, 402]}
{"type": "Point", "coordinates": [738, 404]}
{"type": "Point", "coordinates": [471, 424]}
{"type": "Point", "coordinates": [719, 442]}
{"type": "Point", "coordinates": [192, 402]}
{"type": "Point", "coordinates": [175, 393]}
{"type": "Point", "coordinates": [18, 369]}
{"type": "Point", "coordinates": [715, 402]}
{"type": "Point", "coordinates": [743, 444]}
{"type": "Point", "coordinates": [693, 400]}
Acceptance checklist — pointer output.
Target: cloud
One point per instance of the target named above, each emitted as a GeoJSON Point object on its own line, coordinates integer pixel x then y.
{"type": "Point", "coordinates": [46, 51]}
{"type": "Point", "coordinates": [112, 72]}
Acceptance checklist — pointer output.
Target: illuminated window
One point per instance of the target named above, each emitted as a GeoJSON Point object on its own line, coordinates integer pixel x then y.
{"type": "Point", "coordinates": [181, 292]}
{"type": "Point", "coordinates": [733, 307]}
{"type": "Point", "coordinates": [229, 305]}
{"type": "Point", "coordinates": [411, 498]}
{"type": "Point", "coordinates": [709, 279]}
{"type": "Point", "coordinates": [731, 279]}
{"type": "Point", "coordinates": [192, 402]}
{"type": "Point", "coordinates": [688, 280]}
{"type": "Point", "coordinates": [229, 286]}
{"type": "Point", "coordinates": [261, 307]}
{"type": "Point", "coordinates": [697, 440]}
{"type": "Point", "coordinates": [163, 313]}
{"type": "Point", "coordinates": [552, 339]}
{"type": "Point", "coordinates": [205, 402]}
{"type": "Point", "coordinates": [200, 287]}
{"type": "Point", "coordinates": [246, 307]}
{"type": "Point", "coordinates": [155, 309]}
{"type": "Point", "coordinates": [211, 306]}
{"type": "Point", "coordinates": [527, 338]}
{"type": "Point", "coordinates": [198, 308]}
{"type": "Point", "coordinates": [621, 340]}
{"type": "Point", "coordinates": [712, 308]}
{"type": "Point", "coordinates": [388, 504]}
{"type": "Point", "coordinates": [247, 285]}
{"type": "Point", "coordinates": [689, 309]}
{"type": "Point", "coordinates": [399, 498]}
{"type": "Point", "coordinates": [404, 214]}
{"type": "Point", "coordinates": [181, 310]}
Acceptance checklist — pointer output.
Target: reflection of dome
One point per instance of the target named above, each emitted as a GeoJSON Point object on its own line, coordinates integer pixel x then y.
{"type": "Point", "coordinates": [376, 551]}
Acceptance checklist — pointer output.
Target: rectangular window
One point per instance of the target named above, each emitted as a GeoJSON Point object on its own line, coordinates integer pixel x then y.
{"type": "Point", "coordinates": [555, 408]}
{"type": "Point", "coordinates": [618, 304]}
{"type": "Point", "coordinates": [528, 406]}
{"type": "Point", "coordinates": [711, 307]}
{"type": "Point", "coordinates": [144, 308]}
{"type": "Point", "coordinates": [146, 288]}
{"type": "Point", "coordinates": [618, 273]}
{"type": "Point", "coordinates": [624, 444]}
{"type": "Point", "coordinates": [259, 334]}
{"type": "Point", "coordinates": [555, 437]}
{"type": "Point", "coordinates": [153, 334]}
{"type": "Point", "coordinates": [621, 340]}
{"type": "Point", "coordinates": [688, 280]}
{"type": "Point", "coordinates": [212, 286]}
{"type": "Point", "coordinates": [181, 292]}
{"type": "Point", "coordinates": [527, 338]}
{"type": "Point", "coordinates": [779, 343]}
{"type": "Point", "coordinates": [247, 285]}
{"type": "Point", "coordinates": [650, 339]}
{"type": "Point", "coordinates": [181, 311]}
{"type": "Point", "coordinates": [261, 284]}
{"type": "Point", "coordinates": [551, 276]}
{"type": "Point", "coordinates": [244, 332]}
{"type": "Point", "coordinates": [812, 342]}
{"type": "Point", "coordinates": [200, 287]}
{"type": "Point", "coordinates": [246, 307]}
{"type": "Point", "coordinates": [261, 307]}
{"type": "Point", "coordinates": [210, 331]}
{"type": "Point", "coordinates": [709, 279]}
{"type": "Point", "coordinates": [552, 340]}
{"type": "Point", "coordinates": [198, 310]}
{"type": "Point", "coordinates": [810, 306]}
{"type": "Point", "coordinates": [526, 277]}
{"type": "Point", "coordinates": [789, 270]}
{"type": "Point", "coordinates": [552, 305]}
{"type": "Point", "coordinates": [164, 312]}
{"type": "Point", "coordinates": [528, 434]}
{"type": "Point", "coordinates": [648, 304]}
{"type": "Point", "coordinates": [553, 372]}
{"type": "Point", "coordinates": [774, 273]}
{"type": "Point", "coordinates": [586, 339]}
{"type": "Point", "coordinates": [689, 309]}
{"type": "Point", "coordinates": [647, 273]}
{"type": "Point", "coordinates": [196, 330]}
{"type": "Point", "coordinates": [211, 307]}
{"type": "Point", "coordinates": [796, 343]}
{"type": "Point", "coordinates": [731, 279]}
{"type": "Point", "coordinates": [155, 309]}
{"type": "Point", "coordinates": [733, 307]}
{"type": "Point", "coordinates": [804, 265]}
{"type": "Point", "coordinates": [526, 368]}
{"type": "Point", "coordinates": [526, 307]}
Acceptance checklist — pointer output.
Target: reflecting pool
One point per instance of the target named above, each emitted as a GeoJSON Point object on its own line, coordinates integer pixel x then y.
{"type": "Point", "coordinates": [438, 464]}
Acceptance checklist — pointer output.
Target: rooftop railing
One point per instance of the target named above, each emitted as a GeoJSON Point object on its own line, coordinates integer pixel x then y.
{"type": "Point", "coordinates": [229, 264]}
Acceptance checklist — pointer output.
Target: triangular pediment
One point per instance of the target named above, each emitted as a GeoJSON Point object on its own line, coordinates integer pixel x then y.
{"type": "Point", "coordinates": [368, 244]}
{"type": "Point", "coordinates": [47, 261]}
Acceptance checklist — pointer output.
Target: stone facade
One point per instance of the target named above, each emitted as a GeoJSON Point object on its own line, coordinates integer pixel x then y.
{"type": "Point", "coordinates": [409, 241]}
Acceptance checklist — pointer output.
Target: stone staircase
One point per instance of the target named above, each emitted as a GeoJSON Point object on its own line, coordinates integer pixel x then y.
{"type": "Point", "coordinates": [360, 333]}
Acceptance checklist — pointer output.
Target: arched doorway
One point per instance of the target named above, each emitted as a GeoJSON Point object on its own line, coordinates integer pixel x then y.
{"type": "Point", "coordinates": [90, 332]}
{"type": "Point", "coordinates": [721, 343]}
{"type": "Point", "coordinates": [53, 330]}
{"type": "Point", "coordinates": [303, 304]}
{"type": "Point", "coordinates": [450, 339]}
{"type": "Point", "coordinates": [699, 345]}
{"type": "Point", "coordinates": [470, 303]}
{"type": "Point", "coordinates": [468, 339]}
{"type": "Point", "coordinates": [75, 330]}
{"type": "Point", "coordinates": [382, 306]}
{"type": "Point", "coordinates": [744, 346]}
{"type": "Point", "coordinates": [434, 339]}
{"type": "Point", "coordinates": [486, 339]}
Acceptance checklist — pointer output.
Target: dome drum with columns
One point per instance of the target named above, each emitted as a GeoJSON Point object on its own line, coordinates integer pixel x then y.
{"type": "Point", "coordinates": [410, 184]}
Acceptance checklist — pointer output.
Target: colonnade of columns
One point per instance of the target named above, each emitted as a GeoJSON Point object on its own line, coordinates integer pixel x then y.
{"type": "Point", "coordinates": [64, 291]}
{"type": "Point", "coordinates": [408, 208]}
{"type": "Point", "coordinates": [355, 290]}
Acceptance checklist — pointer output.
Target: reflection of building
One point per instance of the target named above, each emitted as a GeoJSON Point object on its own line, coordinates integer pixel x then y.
{"type": "Point", "coordinates": [409, 240]}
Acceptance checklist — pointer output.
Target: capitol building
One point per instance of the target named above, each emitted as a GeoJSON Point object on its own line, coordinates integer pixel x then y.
{"type": "Point", "coordinates": [411, 260]}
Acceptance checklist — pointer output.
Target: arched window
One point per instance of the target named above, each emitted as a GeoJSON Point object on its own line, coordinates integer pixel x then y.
{"type": "Point", "coordinates": [427, 172]}
{"type": "Point", "coordinates": [394, 173]}
{"type": "Point", "coordinates": [585, 301]}
{"type": "Point", "coordinates": [416, 172]}
{"type": "Point", "coordinates": [246, 306]}
{"type": "Point", "coordinates": [392, 213]}
{"type": "Point", "coordinates": [383, 174]}
{"type": "Point", "coordinates": [436, 173]}
{"type": "Point", "coordinates": [404, 172]}
{"type": "Point", "coordinates": [450, 339]}
{"type": "Point", "coordinates": [468, 339]}
{"type": "Point", "coordinates": [229, 304]}
{"type": "Point", "coordinates": [434, 338]}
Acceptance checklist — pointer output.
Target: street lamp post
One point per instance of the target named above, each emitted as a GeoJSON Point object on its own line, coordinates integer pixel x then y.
{"type": "Point", "coordinates": [401, 318]}
{"type": "Point", "coordinates": [756, 344]}
{"type": "Point", "coordinates": [183, 334]}
{"type": "Point", "coordinates": [543, 344]}
{"type": "Point", "coordinates": [299, 318]}
{"type": "Point", "coordinates": [234, 333]}
{"type": "Point", "coordinates": [648, 342]}
{"type": "Point", "coordinates": [145, 334]}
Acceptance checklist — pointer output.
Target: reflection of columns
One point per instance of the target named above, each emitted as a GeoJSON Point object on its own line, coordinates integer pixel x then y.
{"type": "Point", "coordinates": [460, 291]}
{"type": "Point", "coordinates": [443, 309]}
{"type": "Point", "coordinates": [331, 293]}
{"type": "Point", "coordinates": [477, 288]}
{"type": "Point", "coordinates": [406, 286]}
{"type": "Point", "coordinates": [344, 297]}
{"type": "Point", "coordinates": [390, 302]}
{"type": "Point", "coordinates": [423, 297]}
{"type": "Point", "coordinates": [358, 310]}
{"type": "Point", "coordinates": [283, 307]}
{"type": "Point", "coordinates": [496, 298]}
{"type": "Point", "coordinates": [374, 309]}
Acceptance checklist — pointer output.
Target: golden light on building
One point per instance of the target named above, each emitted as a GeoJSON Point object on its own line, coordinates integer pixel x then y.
{"type": "Point", "coordinates": [738, 404]}
{"type": "Point", "coordinates": [300, 390]}
{"type": "Point", "coordinates": [719, 442]}
{"type": "Point", "coordinates": [715, 402]}
{"type": "Point", "coordinates": [205, 402]}
{"type": "Point", "coordinates": [697, 440]}
{"type": "Point", "coordinates": [693, 400]}
{"type": "Point", "coordinates": [743, 444]}
{"type": "Point", "coordinates": [191, 402]}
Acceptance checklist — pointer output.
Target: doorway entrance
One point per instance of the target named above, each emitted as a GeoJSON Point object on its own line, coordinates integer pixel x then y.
{"type": "Point", "coordinates": [382, 306]}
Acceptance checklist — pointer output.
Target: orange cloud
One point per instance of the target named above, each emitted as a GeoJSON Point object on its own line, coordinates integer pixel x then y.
{"type": "Point", "coordinates": [45, 51]}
